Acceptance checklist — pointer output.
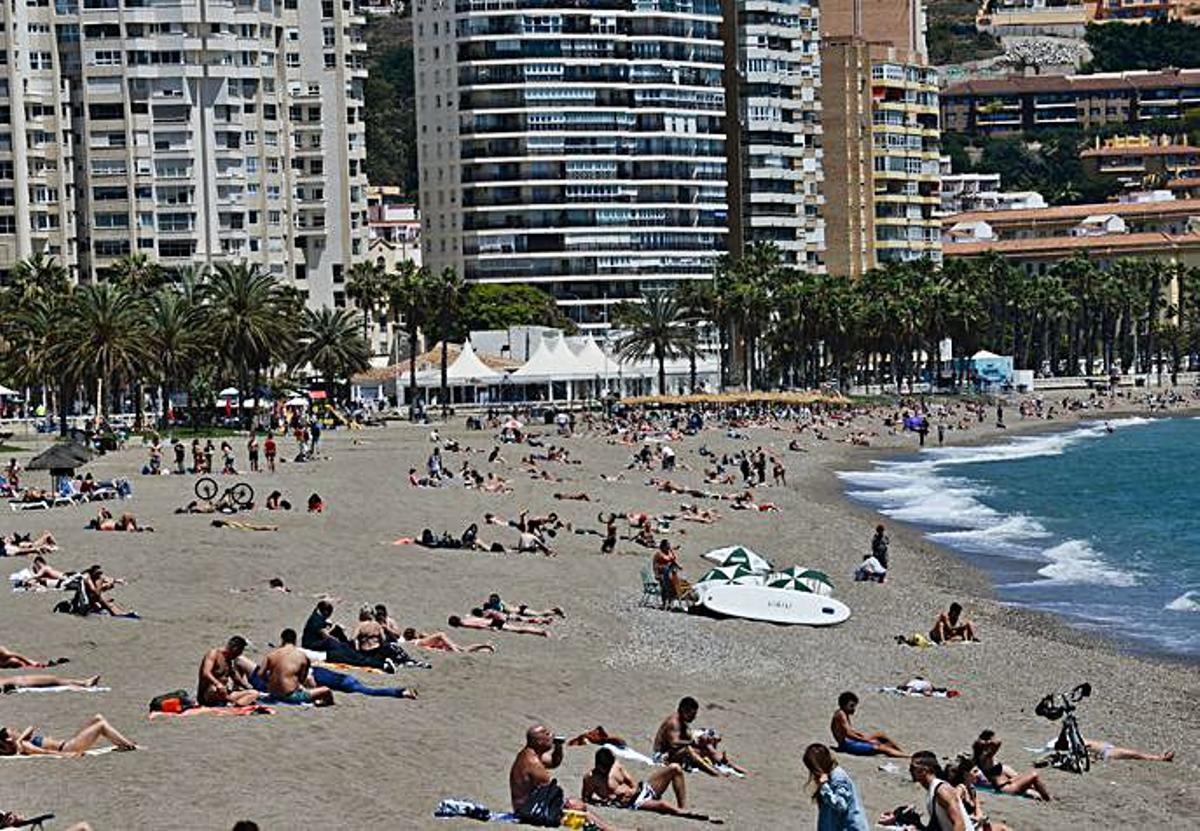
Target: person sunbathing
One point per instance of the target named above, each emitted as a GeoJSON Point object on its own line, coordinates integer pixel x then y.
{"type": "Point", "coordinates": [674, 743]}
{"type": "Point", "coordinates": [855, 742]}
{"type": "Point", "coordinates": [999, 775]}
{"type": "Point", "coordinates": [95, 584]}
{"type": "Point", "coordinates": [285, 671]}
{"type": "Point", "coordinates": [530, 780]}
{"type": "Point", "coordinates": [531, 543]}
{"type": "Point", "coordinates": [104, 521]}
{"type": "Point", "coordinates": [21, 545]}
{"type": "Point", "coordinates": [578, 496]}
{"type": "Point", "coordinates": [708, 744]}
{"type": "Point", "coordinates": [479, 622]}
{"type": "Point", "coordinates": [495, 484]}
{"type": "Point", "coordinates": [44, 575]}
{"type": "Point", "coordinates": [31, 682]}
{"type": "Point", "coordinates": [694, 513]}
{"type": "Point", "coordinates": [609, 784]}
{"type": "Point", "coordinates": [439, 642]}
{"type": "Point", "coordinates": [950, 626]}
{"type": "Point", "coordinates": [276, 502]}
{"type": "Point", "coordinates": [15, 660]}
{"type": "Point", "coordinates": [1109, 752]}
{"type": "Point", "coordinates": [495, 604]}
{"type": "Point", "coordinates": [29, 742]}
{"type": "Point", "coordinates": [243, 526]}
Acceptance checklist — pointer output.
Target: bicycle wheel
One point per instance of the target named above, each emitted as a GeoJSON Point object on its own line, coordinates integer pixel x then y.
{"type": "Point", "coordinates": [242, 494]}
{"type": "Point", "coordinates": [206, 488]}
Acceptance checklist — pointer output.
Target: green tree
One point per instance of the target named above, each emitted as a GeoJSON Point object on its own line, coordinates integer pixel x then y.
{"type": "Point", "coordinates": [329, 340]}
{"type": "Point", "coordinates": [446, 291]}
{"type": "Point", "coordinates": [176, 337]}
{"type": "Point", "coordinates": [501, 305]}
{"type": "Point", "coordinates": [658, 328]}
{"type": "Point", "coordinates": [366, 286]}
{"type": "Point", "coordinates": [408, 297]}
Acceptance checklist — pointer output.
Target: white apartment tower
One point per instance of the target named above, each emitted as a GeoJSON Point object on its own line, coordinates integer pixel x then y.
{"type": "Point", "coordinates": [37, 193]}
{"type": "Point", "coordinates": [579, 147]}
{"type": "Point", "coordinates": [774, 87]}
{"type": "Point", "coordinates": [217, 130]}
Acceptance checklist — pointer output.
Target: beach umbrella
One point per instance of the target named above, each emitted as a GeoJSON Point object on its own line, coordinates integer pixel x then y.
{"type": "Point", "coordinates": [6, 391]}
{"type": "Point", "coordinates": [738, 555]}
{"type": "Point", "coordinates": [61, 459]}
{"type": "Point", "coordinates": [512, 424]}
{"type": "Point", "coordinates": [789, 583]}
{"type": "Point", "coordinates": [728, 574]}
{"type": "Point", "coordinates": [817, 582]}
{"type": "Point", "coordinates": [296, 402]}
{"type": "Point", "coordinates": [228, 392]}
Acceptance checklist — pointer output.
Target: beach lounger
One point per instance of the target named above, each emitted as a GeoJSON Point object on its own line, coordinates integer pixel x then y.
{"type": "Point", "coordinates": [21, 505]}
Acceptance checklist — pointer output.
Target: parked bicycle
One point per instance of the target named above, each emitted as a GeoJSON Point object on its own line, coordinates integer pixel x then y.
{"type": "Point", "coordinates": [240, 494]}
{"type": "Point", "coordinates": [1070, 751]}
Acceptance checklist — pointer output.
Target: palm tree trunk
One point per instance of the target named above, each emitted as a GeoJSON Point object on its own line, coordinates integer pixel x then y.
{"type": "Point", "coordinates": [412, 373]}
{"type": "Point", "coordinates": [63, 399]}
{"type": "Point", "coordinates": [662, 371]}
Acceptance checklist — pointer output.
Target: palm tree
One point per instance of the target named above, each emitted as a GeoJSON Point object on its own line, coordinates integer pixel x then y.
{"type": "Point", "coordinates": [102, 338]}
{"type": "Point", "coordinates": [695, 299]}
{"type": "Point", "coordinates": [250, 320]}
{"type": "Point", "coordinates": [176, 336]}
{"type": "Point", "coordinates": [447, 292]}
{"type": "Point", "coordinates": [658, 328]}
{"type": "Point", "coordinates": [137, 273]}
{"type": "Point", "coordinates": [37, 277]}
{"type": "Point", "coordinates": [408, 299]}
{"type": "Point", "coordinates": [366, 285]}
{"type": "Point", "coordinates": [329, 340]}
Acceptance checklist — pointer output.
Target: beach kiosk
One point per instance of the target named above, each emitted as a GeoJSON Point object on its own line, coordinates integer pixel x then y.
{"type": "Point", "coordinates": [990, 371]}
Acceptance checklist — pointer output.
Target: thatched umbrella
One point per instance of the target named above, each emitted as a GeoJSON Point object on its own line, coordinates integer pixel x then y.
{"type": "Point", "coordinates": [61, 459]}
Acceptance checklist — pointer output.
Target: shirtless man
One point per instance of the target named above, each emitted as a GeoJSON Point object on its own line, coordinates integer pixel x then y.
{"type": "Point", "coordinates": [674, 743]}
{"type": "Point", "coordinates": [15, 660]}
{"type": "Point", "coordinates": [477, 622]}
{"type": "Point", "coordinates": [221, 682]}
{"type": "Point", "coordinates": [12, 683]}
{"type": "Point", "coordinates": [855, 742]}
{"type": "Point", "coordinates": [95, 584]}
{"type": "Point", "coordinates": [950, 626]}
{"type": "Point", "coordinates": [530, 771]}
{"type": "Point", "coordinates": [284, 671]}
{"type": "Point", "coordinates": [609, 784]}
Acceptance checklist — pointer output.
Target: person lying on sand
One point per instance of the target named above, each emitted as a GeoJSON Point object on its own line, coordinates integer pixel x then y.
{"type": "Point", "coordinates": [950, 626]}
{"type": "Point", "coordinates": [238, 525]}
{"type": "Point", "coordinates": [694, 513]}
{"type": "Point", "coordinates": [45, 575]}
{"type": "Point", "coordinates": [127, 522]}
{"type": "Point", "coordinates": [609, 784]}
{"type": "Point", "coordinates": [221, 682]}
{"type": "Point", "coordinates": [285, 670]}
{"type": "Point", "coordinates": [15, 660]}
{"type": "Point", "coordinates": [495, 604]}
{"type": "Point", "coordinates": [529, 777]}
{"type": "Point", "coordinates": [578, 496]}
{"type": "Point", "coordinates": [674, 742]}
{"type": "Point", "coordinates": [478, 622]}
{"type": "Point", "coordinates": [14, 545]}
{"type": "Point", "coordinates": [999, 775]}
{"type": "Point", "coordinates": [29, 682]}
{"type": "Point", "coordinates": [439, 642]}
{"type": "Point", "coordinates": [29, 742]}
{"type": "Point", "coordinates": [855, 742]}
{"type": "Point", "coordinates": [1102, 751]}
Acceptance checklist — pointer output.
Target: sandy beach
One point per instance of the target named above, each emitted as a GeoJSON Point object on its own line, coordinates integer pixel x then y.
{"type": "Point", "coordinates": [381, 763]}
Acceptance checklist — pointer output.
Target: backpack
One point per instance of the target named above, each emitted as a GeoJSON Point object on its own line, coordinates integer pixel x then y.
{"type": "Point", "coordinates": [175, 701]}
{"type": "Point", "coordinates": [544, 807]}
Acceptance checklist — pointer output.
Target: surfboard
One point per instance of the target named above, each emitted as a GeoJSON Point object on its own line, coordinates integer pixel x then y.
{"type": "Point", "coordinates": [771, 605]}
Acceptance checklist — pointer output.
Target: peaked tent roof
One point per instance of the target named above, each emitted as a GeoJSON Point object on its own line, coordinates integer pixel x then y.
{"type": "Point", "coordinates": [591, 357]}
{"type": "Point", "coordinates": [466, 370]}
{"type": "Point", "coordinates": [552, 360]}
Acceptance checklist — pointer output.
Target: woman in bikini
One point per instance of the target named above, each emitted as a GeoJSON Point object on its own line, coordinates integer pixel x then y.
{"type": "Point", "coordinates": [29, 742]}
{"type": "Point", "coordinates": [999, 775]}
{"type": "Point", "coordinates": [13, 683]}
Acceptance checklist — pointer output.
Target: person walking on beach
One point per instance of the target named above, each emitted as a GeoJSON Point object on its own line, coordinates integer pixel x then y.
{"type": "Point", "coordinates": [839, 807]}
{"type": "Point", "coordinates": [252, 451]}
{"type": "Point", "coordinates": [941, 434]}
{"type": "Point", "coordinates": [270, 450]}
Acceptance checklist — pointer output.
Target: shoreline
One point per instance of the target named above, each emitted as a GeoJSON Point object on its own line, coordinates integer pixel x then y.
{"type": "Point", "coordinates": [974, 579]}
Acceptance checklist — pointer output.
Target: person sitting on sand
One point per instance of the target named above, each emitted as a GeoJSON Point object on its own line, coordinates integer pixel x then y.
{"type": "Point", "coordinates": [529, 777]}
{"type": "Point", "coordinates": [221, 683]}
{"type": "Point", "coordinates": [950, 626]}
{"type": "Point", "coordinates": [530, 542]}
{"type": "Point", "coordinates": [942, 801]}
{"type": "Point", "coordinates": [1001, 776]}
{"type": "Point", "coordinates": [439, 642]}
{"type": "Point", "coordinates": [285, 670]}
{"type": "Point", "coordinates": [315, 503]}
{"type": "Point", "coordinates": [276, 502]}
{"type": "Point", "coordinates": [608, 784]}
{"type": "Point", "coordinates": [371, 637]}
{"type": "Point", "coordinates": [674, 743]}
{"type": "Point", "coordinates": [94, 584]}
{"type": "Point", "coordinates": [29, 742]}
{"type": "Point", "coordinates": [479, 622]}
{"type": "Point", "coordinates": [320, 635]}
{"type": "Point", "coordinates": [961, 775]}
{"type": "Point", "coordinates": [708, 743]}
{"type": "Point", "coordinates": [855, 742]}
{"type": "Point", "coordinates": [12, 683]}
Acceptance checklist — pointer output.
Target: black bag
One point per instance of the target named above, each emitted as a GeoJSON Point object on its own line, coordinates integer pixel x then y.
{"type": "Point", "coordinates": [544, 807]}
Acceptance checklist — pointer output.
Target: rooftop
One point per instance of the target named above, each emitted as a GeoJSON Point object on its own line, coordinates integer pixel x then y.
{"type": "Point", "coordinates": [1141, 79]}
{"type": "Point", "coordinates": [1061, 213]}
{"type": "Point", "coordinates": [1112, 243]}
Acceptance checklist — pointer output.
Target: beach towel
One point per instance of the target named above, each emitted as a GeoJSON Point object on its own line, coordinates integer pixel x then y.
{"type": "Point", "coordinates": [910, 691]}
{"type": "Point", "coordinates": [351, 668]}
{"type": "Point", "coordinates": [247, 710]}
{"type": "Point", "coordinates": [95, 751]}
{"type": "Point", "coordinates": [58, 689]}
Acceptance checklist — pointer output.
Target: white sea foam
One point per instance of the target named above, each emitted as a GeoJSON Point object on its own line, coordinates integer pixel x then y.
{"type": "Point", "coordinates": [1075, 561]}
{"type": "Point", "coordinates": [1186, 602]}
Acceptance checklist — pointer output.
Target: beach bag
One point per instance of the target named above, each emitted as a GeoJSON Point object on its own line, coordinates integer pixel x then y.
{"type": "Point", "coordinates": [175, 701]}
{"type": "Point", "coordinates": [544, 807]}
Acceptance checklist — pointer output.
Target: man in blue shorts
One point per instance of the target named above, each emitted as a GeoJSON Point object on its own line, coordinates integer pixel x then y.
{"type": "Point", "coordinates": [855, 742]}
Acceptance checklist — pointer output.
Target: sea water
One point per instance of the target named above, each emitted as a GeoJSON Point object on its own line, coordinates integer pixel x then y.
{"type": "Point", "coordinates": [1098, 524]}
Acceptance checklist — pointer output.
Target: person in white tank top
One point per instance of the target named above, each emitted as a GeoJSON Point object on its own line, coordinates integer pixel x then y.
{"type": "Point", "coordinates": [946, 811]}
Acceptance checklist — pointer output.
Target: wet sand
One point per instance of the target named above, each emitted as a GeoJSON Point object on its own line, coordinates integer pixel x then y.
{"type": "Point", "coordinates": [380, 763]}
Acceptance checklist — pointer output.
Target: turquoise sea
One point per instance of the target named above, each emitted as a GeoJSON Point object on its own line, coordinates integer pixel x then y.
{"type": "Point", "coordinates": [1098, 524]}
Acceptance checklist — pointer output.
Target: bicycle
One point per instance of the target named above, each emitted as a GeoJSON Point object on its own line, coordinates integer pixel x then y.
{"type": "Point", "coordinates": [1070, 751]}
{"type": "Point", "coordinates": [240, 494]}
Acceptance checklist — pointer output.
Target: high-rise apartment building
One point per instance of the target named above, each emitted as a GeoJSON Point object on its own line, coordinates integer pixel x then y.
{"type": "Point", "coordinates": [215, 130]}
{"type": "Point", "coordinates": [37, 193]}
{"type": "Point", "coordinates": [882, 136]}
{"type": "Point", "coordinates": [773, 84]}
{"type": "Point", "coordinates": [580, 147]}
